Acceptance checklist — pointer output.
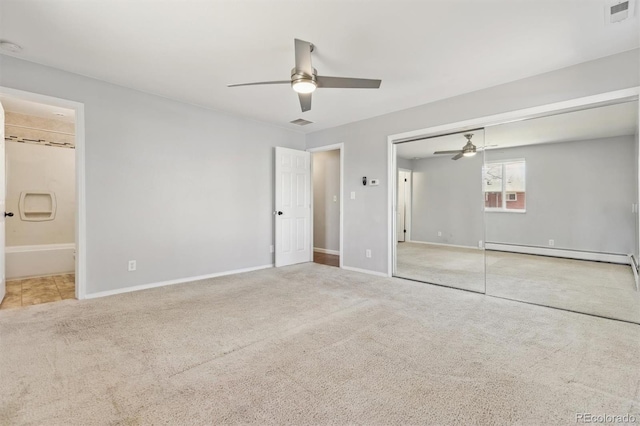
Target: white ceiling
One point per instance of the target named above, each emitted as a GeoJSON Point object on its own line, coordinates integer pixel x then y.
{"type": "Point", "coordinates": [20, 106]}
{"type": "Point", "coordinates": [595, 123]}
{"type": "Point", "coordinates": [422, 50]}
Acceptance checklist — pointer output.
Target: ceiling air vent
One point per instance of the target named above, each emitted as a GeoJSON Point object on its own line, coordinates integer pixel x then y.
{"type": "Point", "coordinates": [618, 11]}
{"type": "Point", "coordinates": [301, 122]}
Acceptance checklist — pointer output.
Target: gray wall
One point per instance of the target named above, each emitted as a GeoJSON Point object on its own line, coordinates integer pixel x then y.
{"type": "Point", "coordinates": [365, 141]}
{"type": "Point", "coordinates": [183, 190]}
{"type": "Point", "coordinates": [447, 198]}
{"type": "Point", "coordinates": [578, 193]}
{"type": "Point", "coordinates": [326, 212]}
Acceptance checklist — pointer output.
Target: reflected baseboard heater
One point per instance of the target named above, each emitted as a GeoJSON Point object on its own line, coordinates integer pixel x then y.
{"type": "Point", "coordinates": [37, 206]}
{"type": "Point", "coordinates": [623, 259]}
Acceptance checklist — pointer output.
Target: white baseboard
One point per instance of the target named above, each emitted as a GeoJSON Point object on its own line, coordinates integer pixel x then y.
{"type": "Point", "coordinates": [326, 251]}
{"type": "Point", "coordinates": [568, 254]}
{"type": "Point", "coordinates": [365, 271]}
{"type": "Point", "coordinates": [443, 244]}
{"type": "Point", "coordinates": [172, 282]}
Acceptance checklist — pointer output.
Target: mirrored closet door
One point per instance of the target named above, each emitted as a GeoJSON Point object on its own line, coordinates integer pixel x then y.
{"type": "Point", "coordinates": [561, 211]}
{"type": "Point", "coordinates": [542, 210]}
{"type": "Point", "coordinates": [439, 214]}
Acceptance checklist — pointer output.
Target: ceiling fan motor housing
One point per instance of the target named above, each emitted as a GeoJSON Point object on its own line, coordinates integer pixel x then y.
{"type": "Point", "coordinates": [301, 78]}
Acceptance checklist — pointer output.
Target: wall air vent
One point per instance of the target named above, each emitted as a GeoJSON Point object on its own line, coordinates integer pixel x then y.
{"type": "Point", "coordinates": [301, 122]}
{"type": "Point", "coordinates": [618, 10]}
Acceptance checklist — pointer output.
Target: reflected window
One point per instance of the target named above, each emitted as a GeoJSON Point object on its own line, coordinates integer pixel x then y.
{"type": "Point", "coordinates": [504, 186]}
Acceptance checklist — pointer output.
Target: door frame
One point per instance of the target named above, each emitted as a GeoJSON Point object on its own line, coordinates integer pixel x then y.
{"type": "Point", "coordinates": [576, 104]}
{"type": "Point", "coordinates": [333, 147]}
{"type": "Point", "coordinates": [407, 215]}
{"type": "Point", "coordinates": [81, 207]}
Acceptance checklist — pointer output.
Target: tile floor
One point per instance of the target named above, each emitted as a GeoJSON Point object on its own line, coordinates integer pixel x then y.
{"type": "Point", "coordinates": [326, 259]}
{"type": "Point", "coordinates": [33, 291]}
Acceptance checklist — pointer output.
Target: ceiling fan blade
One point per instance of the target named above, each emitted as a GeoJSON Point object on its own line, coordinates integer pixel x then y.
{"type": "Point", "coordinates": [305, 101]}
{"type": "Point", "coordinates": [480, 148]}
{"type": "Point", "coordinates": [303, 56]}
{"type": "Point", "coordinates": [457, 157]}
{"type": "Point", "coordinates": [260, 83]}
{"type": "Point", "coordinates": [448, 152]}
{"type": "Point", "coordinates": [347, 83]}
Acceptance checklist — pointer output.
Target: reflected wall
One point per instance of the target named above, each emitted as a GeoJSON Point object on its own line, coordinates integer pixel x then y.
{"type": "Point", "coordinates": [443, 242]}
{"type": "Point", "coordinates": [546, 212]}
{"type": "Point", "coordinates": [564, 228]}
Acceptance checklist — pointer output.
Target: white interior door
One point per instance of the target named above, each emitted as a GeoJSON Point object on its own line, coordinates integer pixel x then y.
{"type": "Point", "coordinates": [293, 206]}
{"type": "Point", "coordinates": [3, 191]}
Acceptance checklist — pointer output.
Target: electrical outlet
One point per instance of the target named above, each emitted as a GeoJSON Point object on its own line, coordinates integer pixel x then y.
{"type": "Point", "coordinates": [271, 248]}
{"type": "Point", "coordinates": [439, 233]}
{"type": "Point", "coordinates": [368, 253]}
{"type": "Point", "coordinates": [551, 243]}
{"type": "Point", "coordinates": [335, 198]}
{"type": "Point", "coordinates": [353, 195]}
{"type": "Point", "coordinates": [480, 244]}
{"type": "Point", "coordinates": [132, 265]}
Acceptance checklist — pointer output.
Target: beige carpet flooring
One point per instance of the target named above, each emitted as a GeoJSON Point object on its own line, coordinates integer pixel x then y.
{"type": "Point", "coordinates": [445, 265]}
{"type": "Point", "coordinates": [311, 344]}
{"type": "Point", "coordinates": [596, 288]}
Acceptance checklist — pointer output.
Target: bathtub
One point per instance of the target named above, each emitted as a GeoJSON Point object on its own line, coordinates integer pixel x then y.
{"type": "Point", "coordinates": [39, 260]}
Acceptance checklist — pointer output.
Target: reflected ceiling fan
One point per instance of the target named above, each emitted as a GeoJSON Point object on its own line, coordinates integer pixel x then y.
{"type": "Point", "coordinates": [469, 150]}
{"type": "Point", "coordinates": [305, 79]}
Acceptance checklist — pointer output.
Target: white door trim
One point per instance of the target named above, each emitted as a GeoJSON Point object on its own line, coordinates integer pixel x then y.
{"type": "Point", "coordinates": [340, 147]}
{"type": "Point", "coordinates": [593, 101]}
{"type": "Point", "coordinates": [391, 203]}
{"type": "Point", "coordinates": [81, 207]}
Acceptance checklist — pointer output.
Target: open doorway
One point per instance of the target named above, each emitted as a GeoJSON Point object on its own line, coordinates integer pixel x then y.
{"type": "Point", "coordinates": [327, 205]}
{"type": "Point", "coordinates": [40, 202]}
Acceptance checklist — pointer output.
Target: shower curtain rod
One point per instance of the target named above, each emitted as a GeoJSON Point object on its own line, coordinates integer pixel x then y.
{"type": "Point", "coordinates": [42, 130]}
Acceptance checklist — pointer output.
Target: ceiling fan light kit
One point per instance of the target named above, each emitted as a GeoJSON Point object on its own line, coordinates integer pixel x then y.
{"type": "Point", "coordinates": [302, 83]}
{"type": "Point", "coordinates": [305, 79]}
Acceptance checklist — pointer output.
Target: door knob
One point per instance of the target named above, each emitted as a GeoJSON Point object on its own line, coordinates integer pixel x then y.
{"type": "Point", "coordinates": [10, 214]}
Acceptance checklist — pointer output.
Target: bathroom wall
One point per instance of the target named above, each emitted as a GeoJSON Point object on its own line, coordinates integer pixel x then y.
{"type": "Point", "coordinates": [38, 167]}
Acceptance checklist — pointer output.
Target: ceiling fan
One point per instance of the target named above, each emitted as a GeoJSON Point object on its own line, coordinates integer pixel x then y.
{"type": "Point", "coordinates": [469, 150]}
{"type": "Point", "coordinates": [305, 79]}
